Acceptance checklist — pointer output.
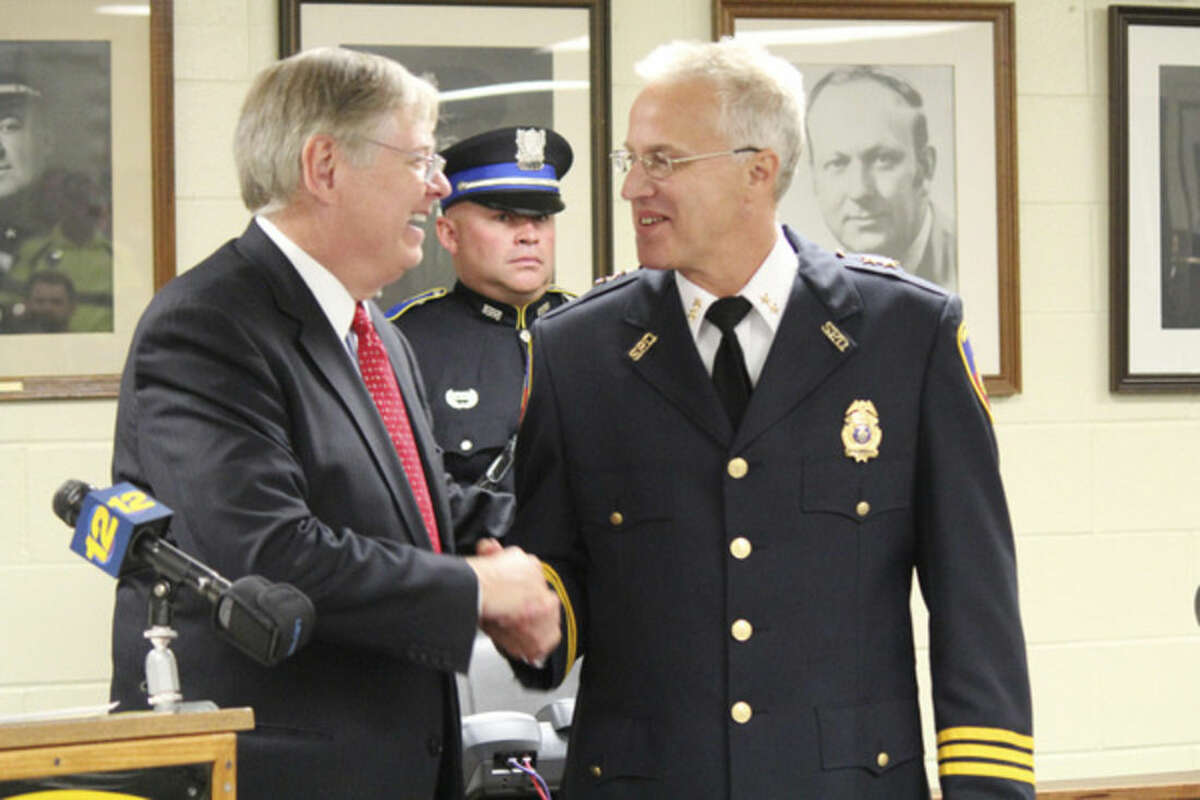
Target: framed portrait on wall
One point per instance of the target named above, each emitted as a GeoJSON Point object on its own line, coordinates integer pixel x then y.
{"type": "Point", "coordinates": [910, 146]}
{"type": "Point", "coordinates": [86, 216]}
{"type": "Point", "coordinates": [496, 64]}
{"type": "Point", "coordinates": [1154, 99]}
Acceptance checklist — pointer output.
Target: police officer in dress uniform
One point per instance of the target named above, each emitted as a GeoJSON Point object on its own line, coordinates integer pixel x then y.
{"type": "Point", "coordinates": [21, 164]}
{"type": "Point", "coordinates": [50, 218]}
{"type": "Point", "coordinates": [473, 342]}
{"type": "Point", "coordinates": [734, 463]}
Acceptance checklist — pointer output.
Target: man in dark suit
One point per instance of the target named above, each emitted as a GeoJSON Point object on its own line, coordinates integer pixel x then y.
{"type": "Point", "coordinates": [265, 399]}
{"type": "Point", "coordinates": [733, 520]}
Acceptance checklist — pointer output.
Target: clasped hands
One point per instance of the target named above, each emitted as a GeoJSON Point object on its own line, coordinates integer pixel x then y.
{"type": "Point", "coordinates": [519, 610]}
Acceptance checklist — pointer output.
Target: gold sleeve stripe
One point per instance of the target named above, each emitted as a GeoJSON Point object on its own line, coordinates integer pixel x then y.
{"type": "Point", "coordinates": [1022, 757]}
{"type": "Point", "coordinates": [996, 735]}
{"type": "Point", "coordinates": [985, 770]}
{"type": "Point", "coordinates": [572, 634]}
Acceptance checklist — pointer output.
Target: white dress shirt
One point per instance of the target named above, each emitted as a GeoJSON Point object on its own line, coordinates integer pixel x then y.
{"type": "Point", "coordinates": [767, 290]}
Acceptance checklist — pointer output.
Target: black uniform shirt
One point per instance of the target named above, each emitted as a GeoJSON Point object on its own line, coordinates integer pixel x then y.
{"type": "Point", "coordinates": [473, 352]}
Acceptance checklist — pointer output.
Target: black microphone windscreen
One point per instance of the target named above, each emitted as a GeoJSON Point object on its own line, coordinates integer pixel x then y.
{"type": "Point", "coordinates": [69, 499]}
{"type": "Point", "coordinates": [267, 621]}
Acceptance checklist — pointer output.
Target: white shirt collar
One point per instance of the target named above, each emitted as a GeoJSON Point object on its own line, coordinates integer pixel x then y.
{"type": "Point", "coordinates": [767, 290]}
{"type": "Point", "coordinates": [332, 296]}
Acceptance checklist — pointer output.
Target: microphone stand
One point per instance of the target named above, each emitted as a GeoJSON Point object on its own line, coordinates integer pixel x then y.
{"type": "Point", "coordinates": [162, 670]}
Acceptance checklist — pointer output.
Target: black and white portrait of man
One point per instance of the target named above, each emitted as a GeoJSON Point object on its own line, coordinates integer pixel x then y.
{"type": "Point", "coordinates": [881, 174]}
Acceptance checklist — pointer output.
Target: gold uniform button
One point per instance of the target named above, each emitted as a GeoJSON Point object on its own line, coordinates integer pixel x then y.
{"type": "Point", "coordinates": [737, 467]}
{"type": "Point", "coordinates": [742, 630]}
{"type": "Point", "coordinates": [616, 518]}
{"type": "Point", "coordinates": [740, 548]}
{"type": "Point", "coordinates": [882, 759]}
{"type": "Point", "coordinates": [863, 508]}
{"type": "Point", "coordinates": [741, 712]}
{"type": "Point", "coordinates": [595, 770]}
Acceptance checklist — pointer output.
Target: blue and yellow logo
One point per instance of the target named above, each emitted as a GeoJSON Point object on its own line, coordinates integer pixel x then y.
{"type": "Point", "coordinates": [107, 521]}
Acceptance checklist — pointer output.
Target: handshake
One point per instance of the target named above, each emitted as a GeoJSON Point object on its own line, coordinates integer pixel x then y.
{"type": "Point", "coordinates": [520, 612]}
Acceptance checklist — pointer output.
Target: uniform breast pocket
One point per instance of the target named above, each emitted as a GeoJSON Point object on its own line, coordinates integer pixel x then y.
{"type": "Point", "coordinates": [856, 491]}
{"type": "Point", "coordinates": [626, 502]}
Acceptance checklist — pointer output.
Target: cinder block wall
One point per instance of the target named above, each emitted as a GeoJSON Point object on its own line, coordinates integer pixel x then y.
{"type": "Point", "coordinates": [1103, 489]}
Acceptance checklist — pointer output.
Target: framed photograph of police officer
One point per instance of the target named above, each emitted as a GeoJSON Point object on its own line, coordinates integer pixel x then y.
{"type": "Point", "coordinates": [78, 221]}
{"type": "Point", "coordinates": [910, 145]}
{"type": "Point", "coordinates": [1154, 81]}
{"type": "Point", "coordinates": [497, 63]}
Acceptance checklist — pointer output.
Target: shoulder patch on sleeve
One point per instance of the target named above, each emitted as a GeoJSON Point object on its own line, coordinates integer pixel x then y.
{"type": "Point", "coordinates": [973, 375]}
{"type": "Point", "coordinates": [414, 301]}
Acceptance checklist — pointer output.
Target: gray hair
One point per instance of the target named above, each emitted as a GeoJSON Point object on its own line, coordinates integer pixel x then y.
{"type": "Point", "coordinates": [761, 95]}
{"type": "Point", "coordinates": [341, 93]}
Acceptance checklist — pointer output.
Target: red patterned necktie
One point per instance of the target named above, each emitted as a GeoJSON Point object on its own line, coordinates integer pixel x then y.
{"type": "Point", "coordinates": [381, 382]}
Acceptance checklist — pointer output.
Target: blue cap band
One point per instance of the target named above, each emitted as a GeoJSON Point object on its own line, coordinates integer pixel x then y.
{"type": "Point", "coordinates": [507, 177]}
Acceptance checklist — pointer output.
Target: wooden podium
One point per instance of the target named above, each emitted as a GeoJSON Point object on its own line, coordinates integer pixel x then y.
{"type": "Point", "coordinates": [125, 743]}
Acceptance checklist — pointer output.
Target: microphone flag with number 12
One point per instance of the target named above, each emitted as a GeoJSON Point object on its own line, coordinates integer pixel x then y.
{"type": "Point", "coordinates": [110, 519]}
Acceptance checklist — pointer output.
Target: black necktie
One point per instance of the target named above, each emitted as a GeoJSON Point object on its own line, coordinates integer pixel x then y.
{"type": "Point", "coordinates": [729, 368]}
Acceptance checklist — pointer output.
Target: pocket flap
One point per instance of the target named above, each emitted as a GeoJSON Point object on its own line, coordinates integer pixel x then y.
{"type": "Point", "coordinates": [858, 491]}
{"type": "Point", "coordinates": [876, 736]}
{"type": "Point", "coordinates": [618, 747]}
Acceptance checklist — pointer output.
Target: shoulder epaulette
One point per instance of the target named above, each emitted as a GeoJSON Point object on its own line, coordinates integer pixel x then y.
{"type": "Point", "coordinates": [882, 265]}
{"type": "Point", "coordinates": [601, 287]}
{"type": "Point", "coordinates": [567, 293]}
{"type": "Point", "coordinates": [414, 301]}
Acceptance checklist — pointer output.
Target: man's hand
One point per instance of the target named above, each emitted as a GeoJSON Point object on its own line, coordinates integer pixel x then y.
{"type": "Point", "coordinates": [520, 612]}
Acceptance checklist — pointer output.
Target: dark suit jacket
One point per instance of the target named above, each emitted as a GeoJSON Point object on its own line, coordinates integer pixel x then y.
{"type": "Point", "coordinates": [742, 597]}
{"type": "Point", "coordinates": [242, 411]}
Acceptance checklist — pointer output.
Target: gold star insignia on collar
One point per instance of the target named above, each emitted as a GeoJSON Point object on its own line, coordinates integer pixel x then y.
{"type": "Point", "coordinates": [766, 301]}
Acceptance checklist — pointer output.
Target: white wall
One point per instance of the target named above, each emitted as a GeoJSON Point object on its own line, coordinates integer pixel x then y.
{"type": "Point", "coordinates": [1102, 489]}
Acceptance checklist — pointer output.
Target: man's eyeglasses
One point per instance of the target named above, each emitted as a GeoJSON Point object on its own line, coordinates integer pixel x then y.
{"type": "Point", "coordinates": [433, 162]}
{"type": "Point", "coordinates": [659, 165]}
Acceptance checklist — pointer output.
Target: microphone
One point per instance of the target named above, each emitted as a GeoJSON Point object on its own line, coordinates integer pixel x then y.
{"type": "Point", "coordinates": [121, 528]}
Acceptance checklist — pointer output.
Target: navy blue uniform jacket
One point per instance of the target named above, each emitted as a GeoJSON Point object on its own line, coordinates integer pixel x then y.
{"type": "Point", "coordinates": [474, 354]}
{"type": "Point", "coordinates": [242, 410]}
{"type": "Point", "coordinates": [742, 597]}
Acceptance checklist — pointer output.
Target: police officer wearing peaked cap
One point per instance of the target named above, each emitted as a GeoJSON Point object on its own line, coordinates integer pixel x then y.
{"type": "Point", "coordinates": [473, 341]}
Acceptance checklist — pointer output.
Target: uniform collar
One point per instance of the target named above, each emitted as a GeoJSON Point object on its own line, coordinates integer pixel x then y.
{"type": "Point", "coordinates": [767, 290]}
{"type": "Point", "coordinates": [503, 313]}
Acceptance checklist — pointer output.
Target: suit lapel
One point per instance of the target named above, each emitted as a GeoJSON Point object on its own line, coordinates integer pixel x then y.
{"type": "Point", "coordinates": [671, 364]}
{"type": "Point", "coordinates": [815, 337]}
{"type": "Point", "coordinates": [331, 359]}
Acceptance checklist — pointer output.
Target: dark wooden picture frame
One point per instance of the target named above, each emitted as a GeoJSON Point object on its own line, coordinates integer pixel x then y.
{"type": "Point", "coordinates": [1154, 185]}
{"type": "Point", "coordinates": [992, 301]}
{"type": "Point", "coordinates": [157, 257]}
{"type": "Point", "coordinates": [599, 79]}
